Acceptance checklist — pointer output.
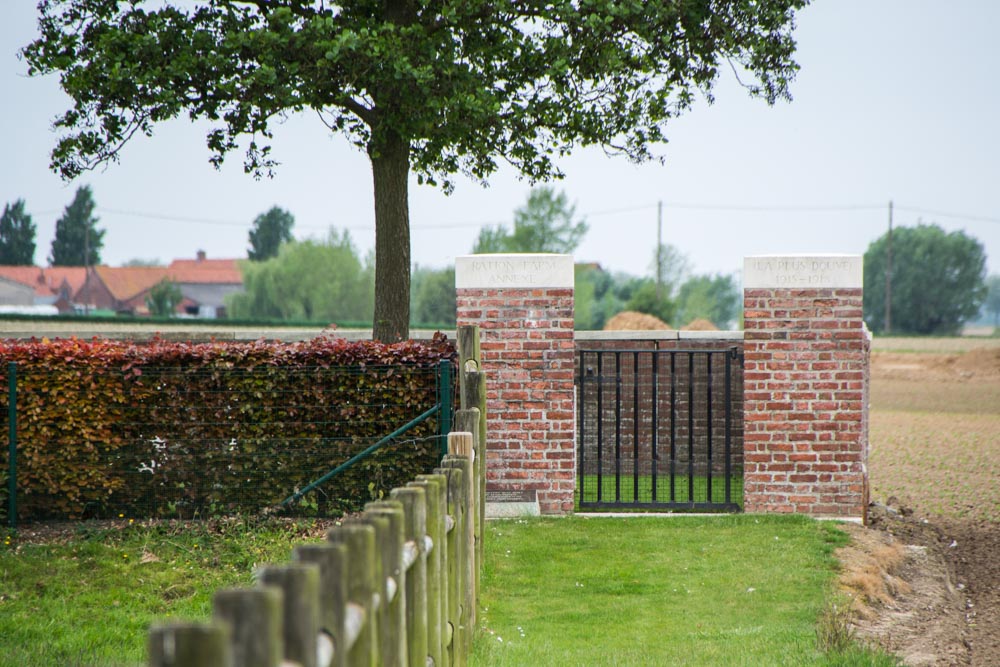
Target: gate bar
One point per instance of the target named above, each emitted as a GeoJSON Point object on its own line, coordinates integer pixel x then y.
{"type": "Point", "coordinates": [690, 408]}
{"type": "Point", "coordinates": [711, 425]}
{"type": "Point", "coordinates": [635, 426]}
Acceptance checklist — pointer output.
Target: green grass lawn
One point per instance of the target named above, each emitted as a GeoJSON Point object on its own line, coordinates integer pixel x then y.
{"type": "Point", "coordinates": [685, 489]}
{"type": "Point", "coordinates": [728, 590]}
{"type": "Point", "coordinates": [88, 596]}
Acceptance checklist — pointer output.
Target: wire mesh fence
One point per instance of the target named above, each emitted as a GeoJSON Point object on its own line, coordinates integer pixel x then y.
{"type": "Point", "coordinates": [169, 442]}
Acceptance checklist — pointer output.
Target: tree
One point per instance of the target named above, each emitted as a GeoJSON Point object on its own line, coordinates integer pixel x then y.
{"type": "Point", "coordinates": [670, 268]}
{"type": "Point", "coordinates": [544, 224]}
{"type": "Point", "coordinates": [17, 236]}
{"type": "Point", "coordinates": [434, 300]}
{"type": "Point", "coordinates": [645, 298]}
{"type": "Point", "coordinates": [309, 281]}
{"type": "Point", "coordinates": [269, 231]}
{"type": "Point", "coordinates": [937, 280]}
{"type": "Point", "coordinates": [429, 88]}
{"type": "Point", "coordinates": [78, 241]}
{"type": "Point", "coordinates": [992, 302]}
{"type": "Point", "coordinates": [139, 261]}
{"type": "Point", "coordinates": [163, 298]}
{"type": "Point", "coordinates": [712, 297]}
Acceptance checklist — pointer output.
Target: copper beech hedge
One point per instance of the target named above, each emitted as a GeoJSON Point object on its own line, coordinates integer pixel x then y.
{"type": "Point", "coordinates": [166, 429]}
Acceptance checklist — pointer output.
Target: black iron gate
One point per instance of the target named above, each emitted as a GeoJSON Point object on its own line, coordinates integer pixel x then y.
{"type": "Point", "coordinates": [657, 429]}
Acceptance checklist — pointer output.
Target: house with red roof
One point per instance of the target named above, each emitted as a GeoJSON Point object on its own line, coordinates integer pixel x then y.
{"type": "Point", "coordinates": [49, 286]}
{"type": "Point", "coordinates": [204, 284]}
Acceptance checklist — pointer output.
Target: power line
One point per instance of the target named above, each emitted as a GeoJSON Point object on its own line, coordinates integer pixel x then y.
{"type": "Point", "coordinates": [691, 206]}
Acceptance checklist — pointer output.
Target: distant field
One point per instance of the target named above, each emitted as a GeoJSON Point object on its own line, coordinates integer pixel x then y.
{"type": "Point", "coordinates": [935, 426]}
{"type": "Point", "coordinates": [952, 344]}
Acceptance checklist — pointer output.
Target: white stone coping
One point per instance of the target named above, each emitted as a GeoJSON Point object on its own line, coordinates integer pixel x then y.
{"type": "Point", "coordinates": [514, 271]}
{"type": "Point", "coordinates": [803, 271]}
{"type": "Point", "coordinates": [662, 334]}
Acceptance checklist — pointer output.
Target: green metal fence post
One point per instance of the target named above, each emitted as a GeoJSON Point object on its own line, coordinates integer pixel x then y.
{"type": "Point", "coordinates": [444, 387]}
{"type": "Point", "coordinates": [12, 443]}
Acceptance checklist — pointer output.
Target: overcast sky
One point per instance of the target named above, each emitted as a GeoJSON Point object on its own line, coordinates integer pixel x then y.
{"type": "Point", "coordinates": [896, 100]}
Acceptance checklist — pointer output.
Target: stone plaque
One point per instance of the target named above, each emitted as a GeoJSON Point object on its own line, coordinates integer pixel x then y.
{"type": "Point", "coordinates": [518, 271]}
{"type": "Point", "coordinates": [511, 496]}
{"type": "Point", "coordinates": [802, 271]}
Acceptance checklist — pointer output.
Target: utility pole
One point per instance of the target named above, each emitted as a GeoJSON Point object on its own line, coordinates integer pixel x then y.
{"type": "Point", "coordinates": [888, 276]}
{"type": "Point", "coordinates": [659, 250]}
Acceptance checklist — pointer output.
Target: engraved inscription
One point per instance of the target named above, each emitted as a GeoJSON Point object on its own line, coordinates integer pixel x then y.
{"type": "Point", "coordinates": [510, 496]}
{"type": "Point", "coordinates": [514, 271]}
{"type": "Point", "coordinates": [803, 272]}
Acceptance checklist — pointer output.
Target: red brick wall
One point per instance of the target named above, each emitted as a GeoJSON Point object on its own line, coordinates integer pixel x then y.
{"type": "Point", "coordinates": [526, 341]}
{"type": "Point", "coordinates": [805, 397]}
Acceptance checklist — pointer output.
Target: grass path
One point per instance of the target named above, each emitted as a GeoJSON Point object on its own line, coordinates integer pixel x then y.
{"type": "Point", "coordinates": [733, 590]}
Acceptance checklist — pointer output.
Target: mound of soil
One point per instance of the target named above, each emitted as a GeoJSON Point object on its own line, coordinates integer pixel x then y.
{"type": "Point", "coordinates": [700, 324]}
{"type": "Point", "coordinates": [629, 320]}
{"type": "Point", "coordinates": [927, 593]}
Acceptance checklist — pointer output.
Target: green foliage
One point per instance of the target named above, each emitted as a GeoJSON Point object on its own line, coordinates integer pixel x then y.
{"type": "Point", "coordinates": [715, 298]}
{"type": "Point", "coordinates": [991, 304]}
{"type": "Point", "coordinates": [544, 224]}
{"type": "Point", "coordinates": [163, 298]}
{"type": "Point", "coordinates": [17, 236]}
{"type": "Point", "coordinates": [600, 295]}
{"type": "Point", "coordinates": [308, 280]}
{"type": "Point", "coordinates": [174, 429]}
{"type": "Point", "coordinates": [937, 280]}
{"type": "Point", "coordinates": [436, 89]}
{"type": "Point", "coordinates": [78, 241]}
{"type": "Point", "coordinates": [646, 298]}
{"type": "Point", "coordinates": [434, 301]}
{"type": "Point", "coordinates": [270, 230]}
{"type": "Point", "coordinates": [674, 269]}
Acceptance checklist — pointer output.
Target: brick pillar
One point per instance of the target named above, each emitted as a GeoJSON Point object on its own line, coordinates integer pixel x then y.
{"type": "Point", "coordinates": [806, 352]}
{"type": "Point", "coordinates": [523, 305]}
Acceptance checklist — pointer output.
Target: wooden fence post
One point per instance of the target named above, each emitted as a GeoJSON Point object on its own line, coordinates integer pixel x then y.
{"type": "Point", "coordinates": [469, 421]}
{"type": "Point", "coordinates": [361, 589]}
{"type": "Point", "coordinates": [299, 584]}
{"type": "Point", "coordinates": [189, 645]}
{"type": "Point", "coordinates": [457, 651]}
{"type": "Point", "coordinates": [394, 629]}
{"type": "Point", "coordinates": [332, 562]}
{"type": "Point", "coordinates": [466, 540]}
{"type": "Point", "coordinates": [461, 444]}
{"type": "Point", "coordinates": [415, 507]}
{"type": "Point", "coordinates": [383, 545]}
{"type": "Point", "coordinates": [480, 471]}
{"type": "Point", "coordinates": [436, 490]}
{"type": "Point", "coordinates": [254, 619]}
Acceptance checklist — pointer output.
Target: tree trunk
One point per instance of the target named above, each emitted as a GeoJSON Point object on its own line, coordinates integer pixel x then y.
{"type": "Point", "coordinates": [390, 157]}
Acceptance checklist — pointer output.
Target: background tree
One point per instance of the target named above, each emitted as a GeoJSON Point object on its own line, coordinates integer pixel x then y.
{"type": "Point", "coordinates": [269, 231]}
{"type": "Point", "coordinates": [78, 241]}
{"type": "Point", "coordinates": [674, 269]}
{"type": "Point", "coordinates": [163, 298]}
{"type": "Point", "coordinates": [644, 297]}
{"type": "Point", "coordinates": [544, 224]}
{"type": "Point", "coordinates": [991, 304]}
{"type": "Point", "coordinates": [308, 281]}
{"type": "Point", "coordinates": [434, 300]}
{"type": "Point", "coordinates": [937, 280]}
{"type": "Point", "coordinates": [430, 88]}
{"type": "Point", "coordinates": [715, 298]}
{"type": "Point", "coordinates": [17, 236]}
{"type": "Point", "coordinates": [139, 261]}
